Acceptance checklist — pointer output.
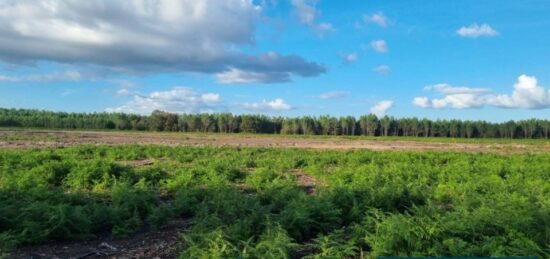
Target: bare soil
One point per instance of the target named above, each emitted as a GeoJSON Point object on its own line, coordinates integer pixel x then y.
{"type": "Point", "coordinates": [52, 138]}
{"type": "Point", "coordinates": [147, 243]}
{"type": "Point", "coordinates": [306, 181]}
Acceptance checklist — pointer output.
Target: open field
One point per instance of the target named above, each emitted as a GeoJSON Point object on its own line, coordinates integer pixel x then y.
{"type": "Point", "coordinates": [13, 138]}
{"type": "Point", "coordinates": [128, 201]}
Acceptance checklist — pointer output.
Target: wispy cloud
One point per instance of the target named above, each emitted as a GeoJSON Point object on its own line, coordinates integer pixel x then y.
{"type": "Point", "coordinates": [379, 46]}
{"type": "Point", "coordinates": [377, 18]}
{"type": "Point", "coordinates": [68, 92]}
{"type": "Point", "coordinates": [334, 95]}
{"type": "Point", "coordinates": [475, 30]}
{"type": "Point", "coordinates": [308, 14]}
{"type": "Point", "coordinates": [69, 75]}
{"type": "Point", "coordinates": [381, 108]}
{"type": "Point", "coordinates": [350, 58]}
{"type": "Point", "coordinates": [382, 69]}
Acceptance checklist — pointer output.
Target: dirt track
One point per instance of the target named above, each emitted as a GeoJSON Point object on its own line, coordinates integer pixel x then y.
{"type": "Point", "coordinates": [50, 138]}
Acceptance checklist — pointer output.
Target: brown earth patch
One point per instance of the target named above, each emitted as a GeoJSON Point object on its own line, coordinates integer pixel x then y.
{"type": "Point", "coordinates": [140, 162]}
{"type": "Point", "coordinates": [137, 163]}
{"type": "Point", "coordinates": [306, 181]}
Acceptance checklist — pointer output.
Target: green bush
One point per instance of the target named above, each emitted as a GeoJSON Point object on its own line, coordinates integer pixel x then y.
{"type": "Point", "coordinates": [250, 203]}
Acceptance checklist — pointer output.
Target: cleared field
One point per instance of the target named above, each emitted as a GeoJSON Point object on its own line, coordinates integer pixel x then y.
{"type": "Point", "coordinates": [131, 201]}
{"type": "Point", "coordinates": [50, 138]}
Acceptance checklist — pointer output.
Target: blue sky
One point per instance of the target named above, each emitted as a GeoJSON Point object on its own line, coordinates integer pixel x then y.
{"type": "Point", "coordinates": [483, 60]}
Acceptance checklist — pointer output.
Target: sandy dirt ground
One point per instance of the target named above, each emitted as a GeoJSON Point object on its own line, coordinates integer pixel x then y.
{"type": "Point", "coordinates": [51, 138]}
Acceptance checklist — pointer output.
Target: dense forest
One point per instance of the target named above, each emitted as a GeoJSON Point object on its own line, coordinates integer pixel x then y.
{"type": "Point", "coordinates": [366, 125]}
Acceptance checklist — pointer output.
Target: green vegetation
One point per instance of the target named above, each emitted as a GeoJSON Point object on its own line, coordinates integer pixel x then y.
{"type": "Point", "coordinates": [255, 203]}
{"type": "Point", "coordinates": [367, 125]}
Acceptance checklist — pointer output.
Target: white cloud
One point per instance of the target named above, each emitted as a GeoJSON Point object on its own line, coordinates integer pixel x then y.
{"type": "Point", "coordinates": [307, 13]}
{"type": "Point", "coordinates": [382, 69]}
{"type": "Point", "coordinates": [324, 27]}
{"type": "Point", "coordinates": [423, 102]}
{"type": "Point", "coordinates": [334, 95]}
{"type": "Point", "coordinates": [210, 98]}
{"type": "Point", "coordinates": [377, 18]}
{"type": "Point", "coordinates": [475, 30]}
{"type": "Point", "coordinates": [381, 108]}
{"type": "Point", "coordinates": [189, 100]}
{"type": "Point", "coordinates": [452, 97]}
{"type": "Point", "coordinates": [527, 94]}
{"type": "Point", "coordinates": [350, 58]}
{"type": "Point", "coordinates": [458, 101]}
{"type": "Point", "coordinates": [68, 75]}
{"type": "Point", "coordinates": [178, 100]}
{"type": "Point", "coordinates": [140, 35]}
{"type": "Point", "coordinates": [276, 105]}
{"type": "Point", "coordinates": [379, 46]}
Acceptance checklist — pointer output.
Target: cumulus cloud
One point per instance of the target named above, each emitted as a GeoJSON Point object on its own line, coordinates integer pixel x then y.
{"type": "Point", "coordinates": [379, 46]}
{"type": "Point", "coordinates": [475, 30]}
{"type": "Point", "coordinates": [334, 95]}
{"type": "Point", "coordinates": [69, 75]}
{"type": "Point", "coordinates": [527, 94]}
{"type": "Point", "coordinates": [140, 35]}
{"type": "Point", "coordinates": [381, 108]}
{"type": "Point", "coordinates": [382, 69]}
{"type": "Point", "coordinates": [177, 100]}
{"type": "Point", "coordinates": [377, 18]}
{"type": "Point", "coordinates": [308, 14]}
{"type": "Point", "coordinates": [276, 105]}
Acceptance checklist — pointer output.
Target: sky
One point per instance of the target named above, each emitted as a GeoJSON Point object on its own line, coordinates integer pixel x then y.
{"type": "Point", "coordinates": [470, 60]}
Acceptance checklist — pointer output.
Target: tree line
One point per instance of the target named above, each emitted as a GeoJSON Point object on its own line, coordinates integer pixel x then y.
{"type": "Point", "coordinates": [366, 125]}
